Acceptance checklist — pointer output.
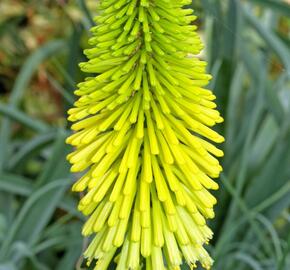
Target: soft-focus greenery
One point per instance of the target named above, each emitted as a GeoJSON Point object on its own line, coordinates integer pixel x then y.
{"type": "Point", "coordinates": [248, 50]}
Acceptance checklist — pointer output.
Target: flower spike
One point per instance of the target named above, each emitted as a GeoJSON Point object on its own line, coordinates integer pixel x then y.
{"type": "Point", "coordinates": [143, 138]}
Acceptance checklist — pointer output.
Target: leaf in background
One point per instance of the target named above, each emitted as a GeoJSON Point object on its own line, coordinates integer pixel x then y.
{"type": "Point", "coordinates": [16, 115]}
{"type": "Point", "coordinates": [41, 204]}
{"type": "Point", "coordinates": [270, 38]}
{"type": "Point", "coordinates": [19, 88]}
{"type": "Point", "coordinates": [15, 184]}
{"type": "Point", "coordinates": [279, 6]}
{"type": "Point", "coordinates": [29, 149]}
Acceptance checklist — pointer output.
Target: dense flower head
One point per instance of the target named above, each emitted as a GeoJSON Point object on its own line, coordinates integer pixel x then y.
{"type": "Point", "coordinates": [143, 138]}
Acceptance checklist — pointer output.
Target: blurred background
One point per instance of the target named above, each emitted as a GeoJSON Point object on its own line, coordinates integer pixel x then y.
{"type": "Point", "coordinates": [248, 51]}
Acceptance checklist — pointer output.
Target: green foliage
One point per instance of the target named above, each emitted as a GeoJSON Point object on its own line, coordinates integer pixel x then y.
{"type": "Point", "coordinates": [248, 48]}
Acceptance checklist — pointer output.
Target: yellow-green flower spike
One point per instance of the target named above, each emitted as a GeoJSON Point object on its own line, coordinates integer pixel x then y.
{"type": "Point", "coordinates": [143, 138]}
